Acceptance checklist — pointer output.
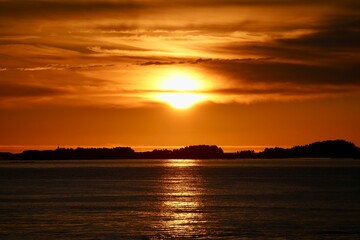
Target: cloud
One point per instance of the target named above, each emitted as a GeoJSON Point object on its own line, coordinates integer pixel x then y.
{"type": "Point", "coordinates": [283, 72]}
{"type": "Point", "coordinates": [69, 43]}
{"type": "Point", "coordinates": [13, 90]}
{"type": "Point", "coordinates": [268, 71]}
{"type": "Point", "coordinates": [327, 54]}
{"type": "Point", "coordinates": [293, 91]}
{"type": "Point", "coordinates": [59, 67]}
{"type": "Point", "coordinates": [308, 48]}
{"type": "Point", "coordinates": [182, 61]}
{"type": "Point", "coordinates": [336, 33]}
{"type": "Point", "coordinates": [200, 60]}
{"type": "Point", "coordinates": [60, 9]}
{"type": "Point", "coordinates": [32, 88]}
{"type": "Point", "coordinates": [149, 63]}
{"type": "Point", "coordinates": [118, 50]}
{"type": "Point", "coordinates": [285, 90]}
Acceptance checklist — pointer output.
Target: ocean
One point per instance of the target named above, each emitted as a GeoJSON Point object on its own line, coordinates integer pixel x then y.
{"type": "Point", "coordinates": [180, 199]}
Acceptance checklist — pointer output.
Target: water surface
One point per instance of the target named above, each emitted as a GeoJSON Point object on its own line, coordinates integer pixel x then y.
{"type": "Point", "coordinates": [180, 199]}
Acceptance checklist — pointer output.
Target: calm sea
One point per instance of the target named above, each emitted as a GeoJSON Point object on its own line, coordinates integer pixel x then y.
{"type": "Point", "coordinates": [180, 199]}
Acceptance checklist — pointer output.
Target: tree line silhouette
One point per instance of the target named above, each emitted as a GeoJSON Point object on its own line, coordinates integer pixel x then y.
{"type": "Point", "coordinates": [324, 149]}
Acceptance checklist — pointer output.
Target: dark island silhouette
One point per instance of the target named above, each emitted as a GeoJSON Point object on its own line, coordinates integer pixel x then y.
{"type": "Point", "coordinates": [323, 149]}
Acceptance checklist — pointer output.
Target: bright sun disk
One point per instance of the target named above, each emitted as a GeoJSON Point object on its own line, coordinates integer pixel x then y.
{"type": "Point", "coordinates": [181, 100]}
{"type": "Point", "coordinates": [180, 89]}
{"type": "Point", "coordinates": [180, 82]}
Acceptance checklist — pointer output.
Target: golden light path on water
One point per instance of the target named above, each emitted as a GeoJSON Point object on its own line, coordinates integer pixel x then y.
{"type": "Point", "coordinates": [180, 209]}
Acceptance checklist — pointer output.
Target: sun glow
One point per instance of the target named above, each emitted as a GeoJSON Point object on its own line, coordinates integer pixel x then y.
{"type": "Point", "coordinates": [181, 100]}
{"type": "Point", "coordinates": [179, 90]}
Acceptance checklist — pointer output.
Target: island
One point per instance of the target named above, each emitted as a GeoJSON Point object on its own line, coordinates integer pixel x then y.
{"type": "Point", "coordinates": [322, 149]}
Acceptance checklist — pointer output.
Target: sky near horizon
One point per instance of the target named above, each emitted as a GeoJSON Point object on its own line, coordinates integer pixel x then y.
{"type": "Point", "coordinates": [174, 73]}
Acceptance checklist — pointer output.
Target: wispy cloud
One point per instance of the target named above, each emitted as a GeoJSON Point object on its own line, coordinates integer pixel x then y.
{"type": "Point", "coordinates": [60, 67]}
{"type": "Point", "coordinates": [299, 48]}
{"type": "Point", "coordinates": [8, 90]}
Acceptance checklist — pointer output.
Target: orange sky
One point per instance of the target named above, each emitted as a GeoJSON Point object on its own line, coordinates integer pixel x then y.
{"type": "Point", "coordinates": [254, 73]}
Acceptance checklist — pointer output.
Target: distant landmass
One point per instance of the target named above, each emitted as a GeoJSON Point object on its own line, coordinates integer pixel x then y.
{"type": "Point", "coordinates": [323, 149]}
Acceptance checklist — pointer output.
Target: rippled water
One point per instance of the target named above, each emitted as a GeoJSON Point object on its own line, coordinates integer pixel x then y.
{"type": "Point", "coordinates": [180, 199]}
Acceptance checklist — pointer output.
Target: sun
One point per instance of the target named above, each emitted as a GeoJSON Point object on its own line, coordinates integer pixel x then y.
{"type": "Point", "coordinates": [179, 90]}
{"type": "Point", "coordinates": [180, 100]}
{"type": "Point", "coordinates": [180, 82]}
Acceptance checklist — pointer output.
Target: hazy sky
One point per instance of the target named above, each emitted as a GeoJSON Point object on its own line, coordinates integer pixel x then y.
{"type": "Point", "coordinates": [105, 73]}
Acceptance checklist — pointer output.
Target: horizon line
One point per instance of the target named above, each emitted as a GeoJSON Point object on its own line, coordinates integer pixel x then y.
{"type": "Point", "coordinates": [226, 148]}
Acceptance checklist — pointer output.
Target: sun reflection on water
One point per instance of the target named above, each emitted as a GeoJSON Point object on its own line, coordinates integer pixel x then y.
{"type": "Point", "coordinates": [181, 163]}
{"type": "Point", "coordinates": [182, 201]}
